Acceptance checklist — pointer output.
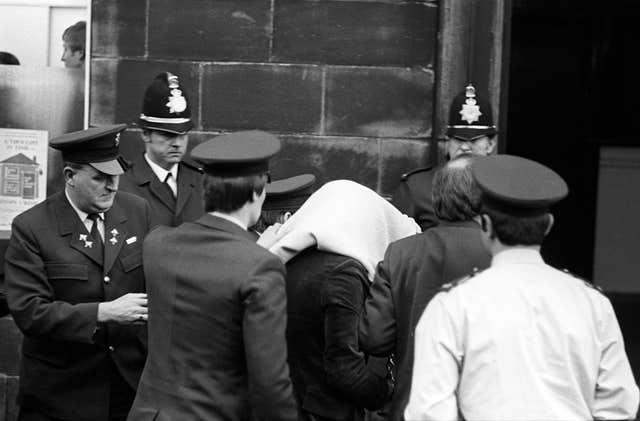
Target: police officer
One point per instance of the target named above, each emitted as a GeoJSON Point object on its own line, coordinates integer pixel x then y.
{"type": "Point", "coordinates": [217, 304]}
{"type": "Point", "coordinates": [75, 287]}
{"type": "Point", "coordinates": [520, 340]}
{"type": "Point", "coordinates": [470, 131]}
{"type": "Point", "coordinates": [171, 184]}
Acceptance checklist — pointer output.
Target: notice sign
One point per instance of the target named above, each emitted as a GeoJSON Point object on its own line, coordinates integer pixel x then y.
{"type": "Point", "coordinates": [23, 172]}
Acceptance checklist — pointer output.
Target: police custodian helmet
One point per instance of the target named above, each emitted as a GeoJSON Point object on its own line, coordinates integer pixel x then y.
{"type": "Point", "coordinates": [470, 116]}
{"type": "Point", "coordinates": [165, 106]}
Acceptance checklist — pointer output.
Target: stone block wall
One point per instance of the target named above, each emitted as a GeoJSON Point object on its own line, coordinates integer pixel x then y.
{"type": "Point", "coordinates": [347, 85]}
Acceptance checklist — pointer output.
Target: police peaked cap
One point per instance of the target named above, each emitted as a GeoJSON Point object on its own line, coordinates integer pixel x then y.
{"type": "Point", "coordinates": [165, 106]}
{"type": "Point", "coordinates": [238, 154]}
{"type": "Point", "coordinates": [288, 194]}
{"type": "Point", "coordinates": [517, 186]}
{"type": "Point", "coordinates": [96, 146]}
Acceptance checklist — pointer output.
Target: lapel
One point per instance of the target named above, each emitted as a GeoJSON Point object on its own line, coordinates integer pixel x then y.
{"type": "Point", "coordinates": [186, 185]}
{"type": "Point", "coordinates": [70, 224]}
{"type": "Point", "coordinates": [144, 175]}
{"type": "Point", "coordinates": [221, 224]}
{"type": "Point", "coordinates": [115, 231]}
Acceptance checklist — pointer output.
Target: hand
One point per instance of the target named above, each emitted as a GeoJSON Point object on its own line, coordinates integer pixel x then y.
{"type": "Point", "coordinates": [130, 308]}
{"type": "Point", "coordinates": [269, 236]}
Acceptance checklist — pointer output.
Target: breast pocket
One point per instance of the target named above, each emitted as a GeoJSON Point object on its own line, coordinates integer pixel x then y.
{"type": "Point", "coordinates": [131, 260]}
{"type": "Point", "coordinates": [67, 271]}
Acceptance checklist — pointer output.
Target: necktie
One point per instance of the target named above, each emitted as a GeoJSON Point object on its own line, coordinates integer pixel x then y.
{"type": "Point", "coordinates": [171, 183]}
{"type": "Point", "coordinates": [95, 232]}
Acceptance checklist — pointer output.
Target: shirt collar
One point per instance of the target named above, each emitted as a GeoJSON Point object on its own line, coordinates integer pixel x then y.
{"type": "Point", "coordinates": [160, 172]}
{"type": "Point", "coordinates": [230, 219]}
{"type": "Point", "coordinates": [527, 255]}
{"type": "Point", "coordinates": [81, 214]}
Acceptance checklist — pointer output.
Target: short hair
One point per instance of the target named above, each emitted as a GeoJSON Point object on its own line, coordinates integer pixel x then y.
{"type": "Point", "coordinates": [228, 194]}
{"type": "Point", "coordinates": [75, 35]}
{"type": "Point", "coordinates": [267, 218]}
{"type": "Point", "coordinates": [8, 58]}
{"type": "Point", "coordinates": [518, 230]}
{"type": "Point", "coordinates": [455, 195]}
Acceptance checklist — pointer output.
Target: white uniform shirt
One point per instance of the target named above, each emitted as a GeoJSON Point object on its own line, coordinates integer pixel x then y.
{"type": "Point", "coordinates": [520, 341]}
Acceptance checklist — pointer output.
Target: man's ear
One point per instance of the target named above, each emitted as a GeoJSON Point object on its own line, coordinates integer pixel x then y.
{"type": "Point", "coordinates": [257, 196]}
{"type": "Point", "coordinates": [485, 222]}
{"type": "Point", "coordinates": [491, 145]}
{"type": "Point", "coordinates": [283, 218]}
{"type": "Point", "coordinates": [68, 173]}
{"type": "Point", "coordinates": [551, 221]}
{"type": "Point", "coordinates": [145, 136]}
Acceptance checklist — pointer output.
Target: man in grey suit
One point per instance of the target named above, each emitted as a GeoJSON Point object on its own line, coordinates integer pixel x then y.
{"type": "Point", "coordinates": [217, 302]}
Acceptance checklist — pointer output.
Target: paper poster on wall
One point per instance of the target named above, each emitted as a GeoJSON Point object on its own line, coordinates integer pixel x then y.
{"type": "Point", "coordinates": [23, 172]}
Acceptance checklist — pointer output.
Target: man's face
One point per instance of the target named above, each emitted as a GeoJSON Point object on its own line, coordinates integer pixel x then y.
{"type": "Point", "coordinates": [163, 148]}
{"type": "Point", "coordinates": [72, 59]}
{"type": "Point", "coordinates": [91, 190]}
{"type": "Point", "coordinates": [482, 146]}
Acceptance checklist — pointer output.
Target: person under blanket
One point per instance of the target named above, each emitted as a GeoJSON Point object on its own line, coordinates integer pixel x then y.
{"type": "Point", "coordinates": [330, 247]}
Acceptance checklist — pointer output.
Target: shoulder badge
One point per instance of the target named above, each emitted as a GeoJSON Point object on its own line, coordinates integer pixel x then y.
{"type": "Point", "coordinates": [584, 281]}
{"type": "Point", "coordinates": [450, 285]}
{"type": "Point", "coordinates": [406, 175]}
{"type": "Point", "coordinates": [192, 165]}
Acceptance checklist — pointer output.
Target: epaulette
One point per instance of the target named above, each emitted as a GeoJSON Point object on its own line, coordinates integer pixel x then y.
{"type": "Point", "coordinates": [416, 171]}
{"type": "Point", "coordinates": [584, 281]}
{"type": "Point", "coordinates": [450, 285]}
{"type": "Point", "coordinates": [192, 164]}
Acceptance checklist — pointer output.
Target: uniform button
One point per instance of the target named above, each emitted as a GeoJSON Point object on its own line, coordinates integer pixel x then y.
{"type": "Point", "coordinates": [107, 279]}
{"type": "Point", "coordinates": [111, 348]}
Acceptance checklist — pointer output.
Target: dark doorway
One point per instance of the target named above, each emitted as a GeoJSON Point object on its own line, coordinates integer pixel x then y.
{"type": "Point", "coordinates": [572, 88]}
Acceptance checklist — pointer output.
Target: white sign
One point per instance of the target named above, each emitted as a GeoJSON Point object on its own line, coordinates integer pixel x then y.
{"type": "Point", "coordinates": [23, 172]}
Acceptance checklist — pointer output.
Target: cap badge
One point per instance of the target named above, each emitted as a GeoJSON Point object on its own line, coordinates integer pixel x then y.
{"type": "Point", "coordinates": [470, 111]}
{"type": "Point", "coordinates": [117, 140]}
{"type": "Point", "coordinates": [177, 103]}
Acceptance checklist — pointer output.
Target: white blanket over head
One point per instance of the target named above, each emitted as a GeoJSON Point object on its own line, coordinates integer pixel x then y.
{"type": "Point", "coordinates": [347, 218]}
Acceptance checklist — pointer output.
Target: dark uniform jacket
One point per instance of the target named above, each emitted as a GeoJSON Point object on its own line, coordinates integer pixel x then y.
{"type": "Point", "coordinates": [217, 319]}
{"type": "Point", "coordinates": [325, 294]}
{"type": "Point", "coordinates": [413, 196]}
{"type": "Point", "coordinates": [166, 210]}
{"type": "Point", "coordinates": [411, 273]}
{"type": "Point", "coordinates": [54, 283]}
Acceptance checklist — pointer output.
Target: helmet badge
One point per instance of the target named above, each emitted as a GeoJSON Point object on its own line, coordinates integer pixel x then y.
{"type": "Point", "coordinates": [177, 103]}
{"type": "Point", "coordinates": [470, 111]}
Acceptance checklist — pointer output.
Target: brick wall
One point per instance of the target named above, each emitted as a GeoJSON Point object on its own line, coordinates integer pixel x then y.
{"type": "Point", "coordinates": [347, 85]}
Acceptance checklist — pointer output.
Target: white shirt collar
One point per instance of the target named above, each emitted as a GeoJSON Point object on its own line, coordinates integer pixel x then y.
{"type": "Point", "coordinates": [160, 172]}
{"type": "Point", "coordinates": [230, 219]}
{"type": "Point", "coordinates": [512, 255]}
{"type": "Point", "coordinates": [81, 214]}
